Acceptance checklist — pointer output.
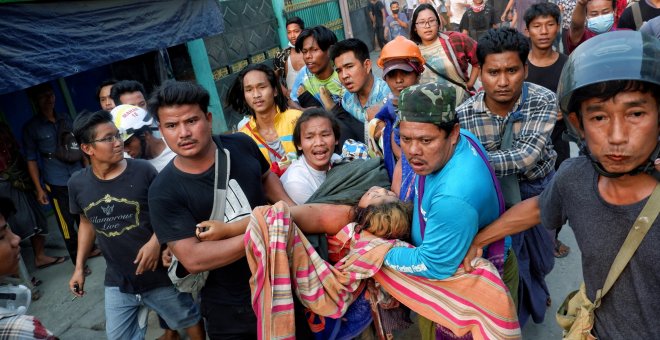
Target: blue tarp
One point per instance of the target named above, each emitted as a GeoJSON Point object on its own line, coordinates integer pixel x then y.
{"type": "Point", "coordinates": [41, 41]}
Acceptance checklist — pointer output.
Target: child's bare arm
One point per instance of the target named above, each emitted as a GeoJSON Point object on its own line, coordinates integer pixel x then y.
{"type": "Point", "coordinates": [321, 218]}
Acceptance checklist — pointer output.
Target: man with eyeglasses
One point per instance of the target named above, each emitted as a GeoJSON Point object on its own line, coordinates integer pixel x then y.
{"type": "Point", "coordinates": [110, 196]}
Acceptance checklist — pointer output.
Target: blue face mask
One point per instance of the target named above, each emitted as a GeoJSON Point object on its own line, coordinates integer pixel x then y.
{"type": "Point", "coordinates": [601, 23]}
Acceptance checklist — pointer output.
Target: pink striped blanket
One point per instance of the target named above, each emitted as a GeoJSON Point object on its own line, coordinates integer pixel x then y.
{"type": "Point", "coordinates": [283, 263]}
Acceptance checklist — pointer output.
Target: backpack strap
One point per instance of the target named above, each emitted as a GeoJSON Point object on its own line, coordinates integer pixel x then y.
{"type": "Point", "coordinates": [637, 15]}
{"type": "Point", "coordinates": [222, 166]}
{"type": "Point", "coordinates": [635, 236]}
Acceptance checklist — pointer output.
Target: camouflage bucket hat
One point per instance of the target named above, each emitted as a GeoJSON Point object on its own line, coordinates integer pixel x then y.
{"type": "Point", "coordinates": [433, 103]}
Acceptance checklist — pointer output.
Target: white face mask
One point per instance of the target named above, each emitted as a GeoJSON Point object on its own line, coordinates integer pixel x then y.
{"type": "Point", "coordinates": [601, 23]}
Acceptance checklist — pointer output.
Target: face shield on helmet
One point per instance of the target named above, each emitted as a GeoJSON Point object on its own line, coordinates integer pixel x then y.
{"type": "Point", "coordinates": [129, 119]}
{"type": "Point", "coordinates": [618, 55]}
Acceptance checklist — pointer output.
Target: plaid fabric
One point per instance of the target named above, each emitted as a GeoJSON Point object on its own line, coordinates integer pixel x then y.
{"type": "Point", "coordinates": [280, 257]}
{"type": "Point", "coordinates": [465, 49]}
{"type": "Point", "coordinates": [22, 327]}
{"type": "Point", "coordinates": [531, 155]}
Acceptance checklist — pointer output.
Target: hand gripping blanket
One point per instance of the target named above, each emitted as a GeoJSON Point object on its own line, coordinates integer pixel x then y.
{"type": "Point", "coordinates": [283, 262]}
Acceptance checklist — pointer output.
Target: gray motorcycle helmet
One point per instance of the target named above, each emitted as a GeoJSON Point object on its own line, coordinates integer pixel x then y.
{"type": "Point", "coordinates": [616, 55]}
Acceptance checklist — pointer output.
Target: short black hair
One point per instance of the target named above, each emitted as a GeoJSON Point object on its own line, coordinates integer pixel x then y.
{"type": "Point", "coordinates": [104, 84]}
{"type": "Point", "coordinates": [173, 93]}
{"type": "Point", "coordinates": [608, 90]}
{"type": "Point", "coordinates": [413, 34]}
{"type": "Point", "coordinates": [393, 2]}
{"type": "Point", "coordinates": [236, 97]}
{"type": "Point", "coordinates": [307, 115]}
{"type": "Point", "coordinates": [324, 37]}
{"type": "Point", "coordinates": [541, 9]}
{"type": "Point", "coordinates": [126, 86]}
{"type": "Point", "coordinates": [7, 207]}
{"type": "Point", "coordinates": [295, 20]}
{"type": "Point", "coordinates": [502, 40]}
{"type": "Point", "coordinates": [84, 126]}
{"type": "Point", "coordinates": [34, 91]}
{"type": "Point", "coordinates": [357, 46]}
{"type": "Point", "coordinates": [447, 127]}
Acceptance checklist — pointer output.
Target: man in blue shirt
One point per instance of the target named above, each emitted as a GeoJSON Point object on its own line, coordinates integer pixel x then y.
{"type": "Point", "coordinates": [455, 195]}
{"type": "Point", "coordinates": [40, 142]}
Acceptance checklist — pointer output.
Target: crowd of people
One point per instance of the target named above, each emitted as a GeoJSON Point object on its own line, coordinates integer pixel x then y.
{"type": "Point", "coordinates": [345, 203]}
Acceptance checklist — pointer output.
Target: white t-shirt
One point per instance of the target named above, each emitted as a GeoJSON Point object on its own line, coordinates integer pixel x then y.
{"type": "Point", "coordinates": [160, 161]}
{"type": "Point", "coordinates": [300, 180]}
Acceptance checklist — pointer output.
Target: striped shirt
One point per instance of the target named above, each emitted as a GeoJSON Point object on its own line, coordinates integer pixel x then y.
{"type": "Point", "coordinates": [531, 155]}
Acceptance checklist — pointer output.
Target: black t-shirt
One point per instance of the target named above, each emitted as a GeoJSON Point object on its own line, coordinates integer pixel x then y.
{"type": "Point", "coordinates": [179, 201]}
{"type": "Point", "coordinates": [478, 21]}
{"type": "Point", "coordinates": [377, 10]}
{"type": "Point", "coordinates": [119, 212]}
{"type": "Point", "coordinates": [627, 20]}
{"type": "Point", "coordinates": [547, 76]}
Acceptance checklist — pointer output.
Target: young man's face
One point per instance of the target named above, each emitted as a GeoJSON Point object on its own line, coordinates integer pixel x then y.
{"type": "Point", "coordinates": [543, 31]}
{"type": "Point", "coordinates": [394, 7]}
{"type": "Point", "coordinates": [292, 33]}
{"type": "Point", "coordinates": [599, 7]}
{"type": "Point", "coordinates": [10, 251]}
{"type": "Point", "coordinates": [317, 142]}
{"type": "Point", "coordinates": [259, 94]}
{"type": "Point", "coordinates": [134, 98]}
{"type": "Point", "coordinates": [620, 132]}
{"type": "Point", "coordinates": [353, 73]}
{"type": "Point", "coordinates": [186, 129]}
{"type": "Point", "coordinates": [104, 98]}
{"type": "Point", "coordinates": [316, 59]}
{"type": "Point", "coordinates": [502, 76]}
{"type": "Point", "coordinates": [398, 80]}
{"type": "Point", "coordinates": [107, 146]}
{"type": "Point", "coordinates": [427, 147]}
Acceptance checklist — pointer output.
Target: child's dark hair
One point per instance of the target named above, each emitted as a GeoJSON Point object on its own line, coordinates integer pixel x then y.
{"type": "Point", "coordinates": [324, 37]}
{"type": "Point", "coordinates": [357, 46]}
{"type": "Point", "coordinates": [84, 126]}
{"type": "Point", "coordinates": [295, 20]}
{"type": "Point", "coordinates": [104, 84]}
{"type": "Point", "coordinates": [389, 220]}
{"type": "Point", "coordinates": [542, 9]}
{"type": "Point", "coordinates": [308, 115]}
{"type": "Point", "coordinates": [125, 86]}
{"type": "Point", "coordinates": [174, 93]}
{"type": "Point", "coordinates": [502, 40]}
{"type": "Point", "coordinates": [236, 97]}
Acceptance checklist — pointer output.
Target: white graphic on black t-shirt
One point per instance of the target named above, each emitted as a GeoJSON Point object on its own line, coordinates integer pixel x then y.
{"type": "Point", "coordinates": [237, 204]}
{"type": "Point", "coordinates": [113, 216]}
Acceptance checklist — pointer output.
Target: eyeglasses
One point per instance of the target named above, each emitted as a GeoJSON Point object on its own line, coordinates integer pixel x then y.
{"type": "Point", "coordinates": [109, 139]}
{"type": "Point", "coordinates": [429, 23]}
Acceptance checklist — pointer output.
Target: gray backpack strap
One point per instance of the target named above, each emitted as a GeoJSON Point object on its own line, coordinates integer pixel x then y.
{"type": "Point", "coordinates": [222, 164]}
{"type": "Point", "coordinates": [637, 15]}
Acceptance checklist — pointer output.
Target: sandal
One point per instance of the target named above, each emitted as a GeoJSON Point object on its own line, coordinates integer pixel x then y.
{"type": "Point", "coordinates": [561, 250]}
